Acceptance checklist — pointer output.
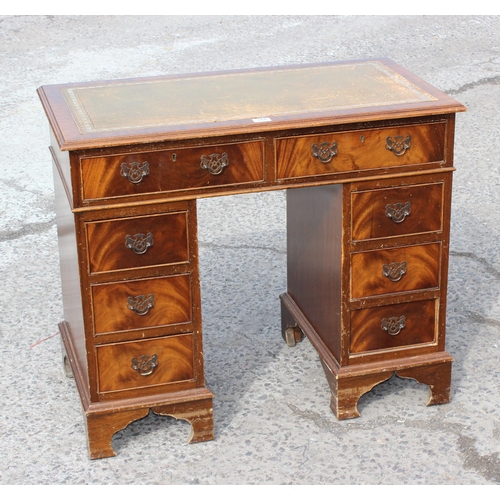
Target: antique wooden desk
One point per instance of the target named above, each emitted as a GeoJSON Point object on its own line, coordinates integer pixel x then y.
{"type": "Point", "coordinates": [365, 151]}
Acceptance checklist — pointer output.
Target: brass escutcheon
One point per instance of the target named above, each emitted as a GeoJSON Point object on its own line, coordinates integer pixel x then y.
{"type": "Point", "coordinates": [139, 243]}
{"type": "Point", "coordinates": [398, 211]}
{"type": "Point", "coordinates": [324, 152]}
{"type": "Point", "coordinates": [214, 163]}
{"type": "Point", "coordinates": [145, 365]}
{"type": "Point", "coordinates": [393, 325]}
{"type": "Point", "coordinates": [141, 304]}
{"type": "Point", "coordinates": [399, 144]}
{"type": "Point", "coordinates": [394, 271]}
{"type": "Point", "coordinates": [134, 171]}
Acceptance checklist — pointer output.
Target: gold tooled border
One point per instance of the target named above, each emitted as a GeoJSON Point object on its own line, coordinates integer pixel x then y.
{"type": "Point", "coordinates": [86, 125]}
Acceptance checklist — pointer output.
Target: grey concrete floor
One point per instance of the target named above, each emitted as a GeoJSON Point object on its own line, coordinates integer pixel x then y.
{"type": "Point", "coordinates": [273, 424]}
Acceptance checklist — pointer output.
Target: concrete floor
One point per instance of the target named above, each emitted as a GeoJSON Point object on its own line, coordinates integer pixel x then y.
{"type": "Point", "coordinates": [273, 424]}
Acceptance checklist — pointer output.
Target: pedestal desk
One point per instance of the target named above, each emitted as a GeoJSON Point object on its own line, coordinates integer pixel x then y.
{"type": "Point", "coordinates": [365, 152]}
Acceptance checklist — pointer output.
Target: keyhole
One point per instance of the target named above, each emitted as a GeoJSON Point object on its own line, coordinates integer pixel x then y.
{"type": "Point", "coordinates": [174, 157]}
{"type": "Point", "coordinates": [362, 138]}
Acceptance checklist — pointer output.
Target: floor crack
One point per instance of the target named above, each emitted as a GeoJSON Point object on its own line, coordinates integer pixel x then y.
{"type": "Point", "coordinates": [35, 228]}
{"type": "Point", "coordinates": [242, 247]}
{"type": "Point", "coordinates": [489, 80]}
{"type": "Point", "coordinates": [471, 255]}
{"type": "Point", "coordinates": [488, 466]}
{"type": "Point", "coordinates": [479, 318]}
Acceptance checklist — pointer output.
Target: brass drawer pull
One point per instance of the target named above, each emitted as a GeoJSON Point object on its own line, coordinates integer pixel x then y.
{"type": "Point", "coordinates": [325, 151]}
{"type": "Point", "coordinates": [141, 304]}
{"type": "Point", "coordinates": [145, 365]}
{"type": "Point", "coordinates": [398, 211]}
{"type": "Point", "coordinates": [214, 163]}
{"type": "Point", "coordinates": [399, 144]}
{"type": "Point", "coordinates": [134, 171]}
{"type": "Point", "coordinates": [394, 271]}
{"type": "Point", "coordinates": [139, 243]}
{"type": "Point", "coordinates": [393, 325]}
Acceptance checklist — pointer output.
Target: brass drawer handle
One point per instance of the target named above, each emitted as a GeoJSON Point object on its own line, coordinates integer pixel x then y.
{"type": "Point", "coordinates": [398, 211]}
{"type": "Point", "coordinates": [325, 151]}
{"type": "Point", "coordinates": [141, 304]}
{"type": "Point", "coordinates": [139, 243]}
{"type": "Point", "coordinates": [394, 271]}
{"type": "Point", "coordinates": [399, 144]}
{"type": "Point", "coordinates": [214, 163]}
{"type": "Point", "coordinates": [393, 325]}
{"type": "Point", "coordinates": [145, 365]}
{"type": "Point", "coordinates": [134, 171]}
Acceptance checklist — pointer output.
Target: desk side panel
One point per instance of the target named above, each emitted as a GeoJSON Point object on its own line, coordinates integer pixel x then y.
{"type": "Point", "coordinates": [70, 274]}
{"type": "Point", "coordinates": [314, 258]}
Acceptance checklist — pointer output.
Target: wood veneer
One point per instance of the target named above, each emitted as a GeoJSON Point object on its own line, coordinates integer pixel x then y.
{"type": "Point", "coordinates": [171, 170]}
{"type": "Point", "coordinates": [365, 151]}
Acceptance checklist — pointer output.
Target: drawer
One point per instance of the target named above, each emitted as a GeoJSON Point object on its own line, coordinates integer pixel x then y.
{"type": "Point", "coordinates": [402, 269]}
{"type": "Point", "coordinates": [382, 213]}
{"type": "Point", "coordinates": [366, 149]}
{"type": "Point", "coordinates": [390, 327]}
{"type": "Point", "coordinates": [145, 363]}
{"type": "Point", "coordinates": [141, 304]}
{"type": "Point", "coordinates": [172, 170]}
{"type": "Point", "coordinates": [135, 242]}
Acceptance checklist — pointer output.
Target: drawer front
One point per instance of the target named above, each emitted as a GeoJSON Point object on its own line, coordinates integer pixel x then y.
{"type": "Point", "coordinates": [141, 304]}
{"type": "Point", "coordinates": [172, 170]}
{"type": "Point", "coordinates": [379, 272]}
{"type": "Point", "coordinates": [135, 242]}
{"type": "Point", "coordinates": [360, 150]}
{"type": "Point", "coordinates": [382, 213]}
{"type": "Point", "coordinates": [389, 327]}
{"type": "Point", "coordinates": [145, 363]}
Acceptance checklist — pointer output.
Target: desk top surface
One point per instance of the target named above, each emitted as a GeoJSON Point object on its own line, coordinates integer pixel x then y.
{"type": "Point", "coordinates": [132, 111]}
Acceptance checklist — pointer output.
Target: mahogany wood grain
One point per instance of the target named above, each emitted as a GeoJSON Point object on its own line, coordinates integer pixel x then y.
{"type": "Point", "coordinates": [102, 427]}
{"type": "Point", "coordinates": [73, 304]}
{"type": "Point", "coordinates": [198, 413]}
{"type": "Point", "coordinates": [437, 377]}
{"type": "Point", "coordinates": [171, 298]}
{"type": "Point", "coordinates": [314, 263]}
{"type": "Point", "coordinates": [174, 363]}
{"type": "Point", "coordinates": [345, 392]}
{"type": "Point", "coordinates": [369, 217]}
{"type": "Point", "coordinates": [349, 384]}
{"type": "Point", "coordinates": [360, 150]}
{"type": "Point", "coordinates": [367, 333]}
{"type": "Point", "coordinates": [339, 235]}
{"type": "Point", "coordinates": [107, 242]}
{"type": "Point", "coordinates": [171, 170]}
{"type": "Point", "coordinates": [422, 270]}
{"type": "Point", "coordinates": [106, 419]}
